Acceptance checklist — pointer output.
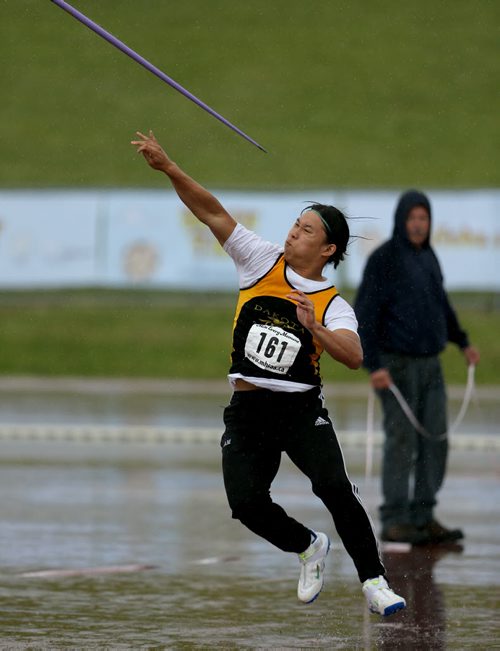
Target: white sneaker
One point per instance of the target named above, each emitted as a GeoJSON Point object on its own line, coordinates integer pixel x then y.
{"type": "Point", "coordinates": [381, 599]}
{"type": "Point", "coordinates": [313, 566]}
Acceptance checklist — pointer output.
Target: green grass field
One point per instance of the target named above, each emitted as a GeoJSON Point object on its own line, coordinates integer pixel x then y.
{"type": "Point", "coordinates": [342, 94]}
{"type": "Point", "coordinates": [111, 333]}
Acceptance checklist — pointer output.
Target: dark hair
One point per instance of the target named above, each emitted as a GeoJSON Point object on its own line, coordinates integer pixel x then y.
{"type": "Point", "coordinates": [336, 229]}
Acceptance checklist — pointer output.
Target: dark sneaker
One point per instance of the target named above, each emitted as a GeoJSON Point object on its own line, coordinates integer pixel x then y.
{"type": "Point", "coordinates": [405, 533]}
{"type": "Point", "coordinates": [438, 533]}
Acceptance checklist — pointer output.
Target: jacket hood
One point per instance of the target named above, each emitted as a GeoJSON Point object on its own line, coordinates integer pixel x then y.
{"type": "Point", "coordinates": [407, 201]}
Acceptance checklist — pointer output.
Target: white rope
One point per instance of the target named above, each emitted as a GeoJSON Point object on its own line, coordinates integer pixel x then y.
{"type": "Point", "coordinates": [469, 390]}
{"type": "Point", "coordinates": [370, 419]}
{"type": "Point", "coordinates": [370, 413]}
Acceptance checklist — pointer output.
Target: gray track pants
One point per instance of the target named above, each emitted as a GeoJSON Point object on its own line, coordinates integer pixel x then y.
{"type": "Point", "coordinates": [413, 466]}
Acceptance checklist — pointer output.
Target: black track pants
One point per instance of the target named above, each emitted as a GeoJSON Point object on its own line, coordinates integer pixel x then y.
{"type": "Point", "coordinates": [262, 424]}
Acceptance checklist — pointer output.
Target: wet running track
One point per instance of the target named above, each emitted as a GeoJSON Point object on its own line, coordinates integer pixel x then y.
{"type": "Point", "coordinates": [113, 545]}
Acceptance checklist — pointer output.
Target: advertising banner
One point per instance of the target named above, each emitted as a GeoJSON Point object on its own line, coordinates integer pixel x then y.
{"type": "Point", "coordinates": [149, 239]}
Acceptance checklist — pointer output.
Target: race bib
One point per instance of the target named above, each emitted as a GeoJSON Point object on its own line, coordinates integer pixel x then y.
{"type": "Point", "coordinates": [271, 348]}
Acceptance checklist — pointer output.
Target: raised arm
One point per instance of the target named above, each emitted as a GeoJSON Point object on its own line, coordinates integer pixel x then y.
{"type": "Point", "coordinates": [196, 198]}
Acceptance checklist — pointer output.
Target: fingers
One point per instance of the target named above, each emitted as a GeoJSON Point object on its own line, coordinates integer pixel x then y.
{"type": "Point", "coordinates": [472, 355]}
{"type": "Point", "coordinates": [151, 135]}
{"type": "Point", "coordinates": [144, 138]}
{"type": "Point", "coordinates": [305, 308]}
{"type": "Point", "coordinates": [147, 146]}
{"type": "Point", "coordinates": [150, 148]}
{"type": "Point", "coordinates": [297, 295]}
{"type": "Point", "coordinates": [381, 379]}
{"type": "Point", "coordinates": [301, 299]}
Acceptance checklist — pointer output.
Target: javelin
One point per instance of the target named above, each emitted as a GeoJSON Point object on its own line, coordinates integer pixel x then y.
{"type": "Point", "coordinates": [149, 66]}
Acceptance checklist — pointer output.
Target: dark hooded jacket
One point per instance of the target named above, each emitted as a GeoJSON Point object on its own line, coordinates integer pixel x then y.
{"type": "Point", "coordinates": [402, 306]}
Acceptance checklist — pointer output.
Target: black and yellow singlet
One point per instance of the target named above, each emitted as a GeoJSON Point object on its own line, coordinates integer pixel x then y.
{"type": "Point", "coordinates": [268, 339]}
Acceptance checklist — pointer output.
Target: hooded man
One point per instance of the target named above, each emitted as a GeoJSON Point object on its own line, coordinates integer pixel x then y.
{"type": "Point", "coordinates": [405, 321]}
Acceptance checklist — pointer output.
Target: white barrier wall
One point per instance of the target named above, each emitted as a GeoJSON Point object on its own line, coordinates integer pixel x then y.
{"type": "Point", "coordinates": [148, 238]}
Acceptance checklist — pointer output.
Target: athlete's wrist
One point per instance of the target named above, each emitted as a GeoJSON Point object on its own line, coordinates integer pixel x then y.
{"type": "Point", "coordinates": [171, 169]}
{"type": "Point", "coordinates": [316, 328]}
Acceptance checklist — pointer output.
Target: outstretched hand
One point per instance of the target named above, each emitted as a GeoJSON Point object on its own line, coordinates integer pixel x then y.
{"type": "Point", "coordinates": [152, 151]}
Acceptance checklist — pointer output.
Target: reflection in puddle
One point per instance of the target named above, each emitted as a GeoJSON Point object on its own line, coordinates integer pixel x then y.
{"type": "Point", "coordinates": [423, 623]}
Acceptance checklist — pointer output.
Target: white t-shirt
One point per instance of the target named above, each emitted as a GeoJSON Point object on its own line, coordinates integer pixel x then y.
{"type": "Point", "coordinates": [254, 257]}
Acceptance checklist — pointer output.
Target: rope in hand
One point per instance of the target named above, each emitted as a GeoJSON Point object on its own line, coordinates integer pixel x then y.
{"type": "Point", "coordinates": [469, 390]}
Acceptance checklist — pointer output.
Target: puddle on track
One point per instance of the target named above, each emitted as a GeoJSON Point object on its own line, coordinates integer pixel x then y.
{"type": "Point", "coordinates": [213, 584]}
